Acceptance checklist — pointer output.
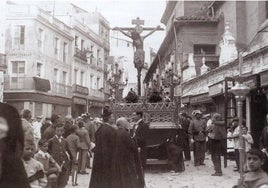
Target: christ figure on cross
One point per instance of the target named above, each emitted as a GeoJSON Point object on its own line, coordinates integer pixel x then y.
{"type": "Point", "coordinates": [138, 44]}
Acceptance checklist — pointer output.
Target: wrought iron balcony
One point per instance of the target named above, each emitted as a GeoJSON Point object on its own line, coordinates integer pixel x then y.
{"type": "Point", "coordinates": [81, 54]}
{"type": "Point", "coordinates": [61, 89]}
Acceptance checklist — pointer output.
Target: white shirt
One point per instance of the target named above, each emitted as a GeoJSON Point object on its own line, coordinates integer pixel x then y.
{"type": "Point", "coordinates": [37, 129]}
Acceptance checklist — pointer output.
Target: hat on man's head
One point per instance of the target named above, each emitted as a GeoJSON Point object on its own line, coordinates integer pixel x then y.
{"type": "Point", "coordinates": [235, 119]}
{"type": "Point", "coordinates": [106, 111]}
{"type": "Point", "coordinates": [197, 112]}
{"type": "Point", "coordinates": [39, 117]}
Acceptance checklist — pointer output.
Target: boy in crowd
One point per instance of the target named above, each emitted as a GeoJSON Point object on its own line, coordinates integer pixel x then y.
{"type": "Point", "coordinates": [74, 146]}
{"type": "Point", "coordinates": [34, 168]}
{"type": "Point", "coordinates": [256, 177]}
{"type": "Point", "coordinates": [58, 148]}
{"type": "Point", "coordinates": [51, 167]}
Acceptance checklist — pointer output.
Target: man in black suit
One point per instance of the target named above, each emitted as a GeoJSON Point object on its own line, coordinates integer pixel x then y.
{"type": "Point", "coordinates": [140, 132]}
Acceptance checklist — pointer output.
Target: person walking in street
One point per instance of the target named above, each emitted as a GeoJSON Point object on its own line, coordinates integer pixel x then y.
{"type": "Point", "coordinates": [140, 132]}
{"type": "Point", "coordinates": [101, 175]}
{"type": "Point", "coordinates": [197, 133]}
{"type": "Point", "coordinates": [26, 116]}
{"type": "Point", "coordinates": [50, 131]}
{"type": "Point", "coordinates": [37, 129]}
{"type": "Point", "coordinates": [184, 121]}
{"type": "Point", "coordinates": [217, 137]}
{"type": "Point", "coordinates": [264, 144]}
{"type": "Point", "coordinates": [124, 167]}
{"type": "Point", "coordinates": [84, 147]}
{"type": "Point", "coordinates": [235, 136]}
{"type": "Point", "coordinates": [74, 146]}
{"type": "Point", "coordinates": [59, 150]}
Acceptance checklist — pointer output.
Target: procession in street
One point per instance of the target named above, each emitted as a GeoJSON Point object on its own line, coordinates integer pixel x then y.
{"type": "Point", "coordinates": [133, 94]}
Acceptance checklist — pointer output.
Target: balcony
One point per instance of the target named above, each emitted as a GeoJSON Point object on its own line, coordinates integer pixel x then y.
{"type": "Point", "coordinates": [26, 83]}
{"type": "Point", "coordinates": [96, 94]}
{"type": "Point", "coordinates": [211, 60]}
{"type": "Point", "coordinates": [81, 54]}
{"type": "Point", "coordinates": [18, 83]}
{"type": "Point", "coordinates": [61, 89]}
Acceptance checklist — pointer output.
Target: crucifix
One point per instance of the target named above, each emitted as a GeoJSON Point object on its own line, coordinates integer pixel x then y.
{"type": "Point", "coordinates": [137, 40]}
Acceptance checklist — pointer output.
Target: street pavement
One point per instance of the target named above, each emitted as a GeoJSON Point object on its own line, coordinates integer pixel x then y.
{"type": "Point", "coordinates": [160, 176]}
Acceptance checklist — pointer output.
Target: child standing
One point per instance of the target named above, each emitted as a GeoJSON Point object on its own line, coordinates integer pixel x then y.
{"type": "Point", "coordinates": [58, 148]}
{"type": "Point", "coordinates": [248, 138]}
{"type": "Point", "coordinates": [34, 168]}
{"type": "Point", "coordinates": [51, 167]}
{"type": "Point", "coordinates": [256, 177]}
{"type": "Point", "coordinates": [74, 145]}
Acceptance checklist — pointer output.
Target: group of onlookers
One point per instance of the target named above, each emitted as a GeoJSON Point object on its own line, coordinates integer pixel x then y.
{"type": "Point", "coordinates": [43, 152]}
{"type": "Point", "coordinates": [208, 133]}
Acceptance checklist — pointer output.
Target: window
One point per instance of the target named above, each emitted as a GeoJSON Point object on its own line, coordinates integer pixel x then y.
{"type": "Point", "coordinates": [64, 77]}
{"type": "Point", "coordinates": [75, 76]}
{"type": "Point", "coordinates": [98, 56]}
{"type": "Point", "coordinates": [91, 81]}
{"type": "Point", "coordinates": [201, 49]}
{"type": "Point", "coordinates": [56, 44]}
{"type": "Point", "coordinates": [18, 37]}
{"type": "Point", "coordinates": [18, 67]}
{"type": "Point", "coordinates": [76, 41]}
{"type": "Point", "coordinates": [98, 83]}
{"type": "Point", "coordinates": [82, 78]}
{"type": "Point", "coordinates": [39, 69]}
{"type": "Point", "coordinates": [22, 34]}
{"type": "Point", "coordinates": [82, 44]}
{"type": "Point", "coordinates": [40, 39]}
{"type": "Point", "coordinates": [65, 48]}
{"type": "Point", "coordinates": [56, 73]}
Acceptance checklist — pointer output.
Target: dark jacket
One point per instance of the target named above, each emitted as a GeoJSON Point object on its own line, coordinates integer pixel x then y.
{"type": "Point", "coordinates": [102, 161]}
{"type": "Point", "coordinates": [124, 167]}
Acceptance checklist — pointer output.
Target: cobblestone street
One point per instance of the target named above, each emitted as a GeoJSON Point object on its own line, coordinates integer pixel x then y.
{"type": "Point", "coordinates": [159, 176]}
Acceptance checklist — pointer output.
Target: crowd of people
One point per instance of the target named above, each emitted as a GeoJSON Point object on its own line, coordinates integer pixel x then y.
{"type": "Point", "coordinates": [208, 133]}
{"type": "Point", "coordinates": [45, 152]}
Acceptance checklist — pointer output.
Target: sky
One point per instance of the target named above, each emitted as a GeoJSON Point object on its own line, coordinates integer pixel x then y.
{"type": "Point", "coordinates": [119, 13]}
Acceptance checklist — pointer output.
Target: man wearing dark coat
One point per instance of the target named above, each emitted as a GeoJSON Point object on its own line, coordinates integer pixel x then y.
{"type": "Point", "coordinates": [124, 167]}
{"type": "Point", "coordinates": [101, 176]}
{"type": "Point", "coordinates": [140, 132]}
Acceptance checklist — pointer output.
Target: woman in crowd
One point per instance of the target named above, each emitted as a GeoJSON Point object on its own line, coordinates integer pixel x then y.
{"type": "Point", "coordinates": [12, 172]}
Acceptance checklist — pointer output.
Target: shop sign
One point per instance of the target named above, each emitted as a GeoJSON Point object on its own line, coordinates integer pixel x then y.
{"type": "Point", "coordinates": [215, 89]}
{"type": "Point", "coordinates": [80, 89]}
{"type": "Point", "coordinates": [251, 82]}
{"type": "Point", "coordinates": [264, 78]}
{"type": "Point", "coordinates": [96, 103]}
{"type": "Point", "coordinates": [200, 98]}
{"type": "Point", "coordinates": [79, 101]}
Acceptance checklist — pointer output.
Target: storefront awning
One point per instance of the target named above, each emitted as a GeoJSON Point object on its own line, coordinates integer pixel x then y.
{"type": "Point", "coordinates": [41, 84]}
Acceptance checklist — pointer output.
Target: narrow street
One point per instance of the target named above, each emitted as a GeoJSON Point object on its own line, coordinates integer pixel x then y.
{"type": "Point", "coordinates": [159, 176]}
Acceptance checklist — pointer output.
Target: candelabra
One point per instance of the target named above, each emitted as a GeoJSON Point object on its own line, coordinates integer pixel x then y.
{"type": "Point", "coordinates": [116, 83]}
{"type": "Point", "coordinates": [171, 79]}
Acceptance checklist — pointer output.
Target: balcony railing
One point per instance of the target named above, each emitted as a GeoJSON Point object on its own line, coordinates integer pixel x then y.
{"type": "Point", "coordinates": [81, 54]}
{"type": "Point", "coordinates": [211, 60]}
{"type": "Point", "coordinates": [96, 94]}
{"type": "Point", "coordinates": [18, 83]}
{"type": "Point", "coordinates": [61, 89]}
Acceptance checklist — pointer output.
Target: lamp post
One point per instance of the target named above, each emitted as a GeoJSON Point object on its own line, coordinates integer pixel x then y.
{"type": "Point", "coordinates": [240, 90]}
